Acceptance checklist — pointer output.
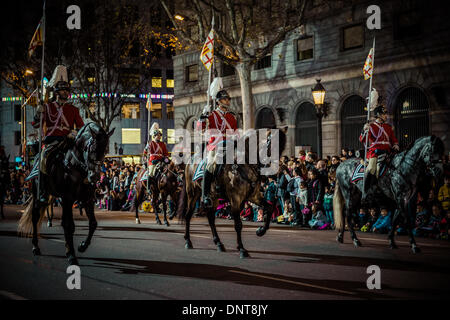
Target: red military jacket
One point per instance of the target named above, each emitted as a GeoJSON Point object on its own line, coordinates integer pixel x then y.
{"type": "Point", "coordinates": [221, 121]}
{"type": "Point", "coordinates": [157, 151]}
{"type": "Point", "coordinates": [381, 136]}
{"type": "Point", "coordinates": [60, 120]}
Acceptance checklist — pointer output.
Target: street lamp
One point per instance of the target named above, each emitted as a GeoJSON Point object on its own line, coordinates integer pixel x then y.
{"type": "Point", "coordinates": [318, 93]}
{"type": "Point", "coordinates": [28, 72]}
{"type": "Point", "coordinates": [179, 17]}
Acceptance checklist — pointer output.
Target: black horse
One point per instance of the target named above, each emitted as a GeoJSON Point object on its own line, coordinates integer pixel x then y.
{"type": "Point", "coordinates": [71, 177]}
{"type": "Point", "coordinates": [235, 183]}
{"type": "Point", "coordinates": [5, 180]}
{"type": "Point", "coordinates": [398, 186]}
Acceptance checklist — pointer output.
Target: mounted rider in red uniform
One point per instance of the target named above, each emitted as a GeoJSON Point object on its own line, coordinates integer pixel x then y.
{"type": "Point", "coordinates": [382, 140]}
{"type": "Point", "coordinates": [221, 120]}
{"type": "Point", "coordinates": [59, 118]}
{"type": "Point", "coordinates": [155, 151]}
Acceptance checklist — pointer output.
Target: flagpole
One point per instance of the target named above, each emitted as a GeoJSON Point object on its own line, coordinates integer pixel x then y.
{"type": "Point", "coordinates": [210, 69]}
{"type": "Point", "coordinates": [368, 107]}
{"type": "Point", "coordinates": [42, 103]}
{"type": "Point", "coordinates": [149, 102]}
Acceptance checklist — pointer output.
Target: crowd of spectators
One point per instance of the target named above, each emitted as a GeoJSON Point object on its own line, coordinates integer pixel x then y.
{"type": "Point", "coordinates": [301, 194]}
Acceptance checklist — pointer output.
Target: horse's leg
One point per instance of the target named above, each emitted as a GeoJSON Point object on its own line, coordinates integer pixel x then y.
{"type": "Point", "coordinates": [268, 217]}
{"type": "Point", "coordinates": [155, 204]}
{"type": "Point", "coordinates": [164, 204]}
{"type": "Point", "coordinates": [351, 229]}
{"type": "Point", "coordinates": [212, 224]}
{"type": "Point", "coordinates": [137, 202]}
{"type": "Point", "coordinates": [89, 209]}
{"type": "Point", "coordinates": [35, 215]}
{"type": "Point", "coordinates": [391, 235]}
{"type": "Point", "coordinates": [172, 207]}
{"type": "Point", "coordinates": [238, 227]}
{"type": "Point", "coordinates": [69, 229]}
{"type": "Point", "coordinates": [412, 240]}
{"type": "Point", "coordinates": [189, 213]}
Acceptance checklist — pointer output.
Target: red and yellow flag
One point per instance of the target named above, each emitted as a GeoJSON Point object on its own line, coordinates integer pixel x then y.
{"type": "Point", "coordinates": [36, 40]}
{"type": "Point", "coordinates": [207, 55]}
{"type": "Point", "coordinates": [368, 66]}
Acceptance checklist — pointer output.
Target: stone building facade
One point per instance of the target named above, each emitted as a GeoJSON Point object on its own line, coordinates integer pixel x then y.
{"type": "Point", "coordinates": [412, 67]}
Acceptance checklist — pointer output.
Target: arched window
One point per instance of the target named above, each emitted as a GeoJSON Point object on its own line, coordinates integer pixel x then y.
{"type": "Point", "coordinates": [411, 116]}
{"type": "Point", "coordinates": [306, 126]}
{"type": "Point", "coordinates": [353, 115]}
{"type": "Point", "coordinates": [265, 119]}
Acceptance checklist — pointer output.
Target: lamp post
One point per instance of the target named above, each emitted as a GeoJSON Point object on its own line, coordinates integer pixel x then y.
{"type": "Point", "coordinates": [318, 93]}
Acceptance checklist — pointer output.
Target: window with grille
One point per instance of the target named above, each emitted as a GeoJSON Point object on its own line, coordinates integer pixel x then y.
{"type": "Point", "coordinates": [353, 37]}
{"type": "Point", "coordinates": [265, 62]}
{"type": "Point", "coordinates": [130, 111]}
{"type": "Point", "coordinates": [305, 48]}
{"type": "Point", "coordinates": [192, 73]}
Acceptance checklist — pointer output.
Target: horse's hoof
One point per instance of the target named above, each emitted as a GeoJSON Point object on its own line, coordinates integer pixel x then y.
{"type": "Point", "coordinates": [49, 224]}
{"type": "Point", "coordinates": [356, 243]}
{"type": "Point", "coordinates": [138, 221]}
{"type": "Point", "coordinates": [392, 245]}
{"type": "Point", "coordinates": [188, 245]}
{"type": "Point", "coordinates": [167, 223]}
{"type": "Point", "coordinates": [244, 254]}
{"type": "Point", "coordinates": [221, 247]}
{"type": "Point", "coordinates": [158, 222]}
{"type": "Point", "coordinates": [340, 239]}
{"type": "Point", "coordinates": [260, 231]}
{"type": "Point", "coordinates": [73, 261]}
{"type": "Point", "coordinates": [36, 251]}
{"type": "Point", "coordinates": [83, 246]}
{"type": "Point", "coordinates": [415, 249]}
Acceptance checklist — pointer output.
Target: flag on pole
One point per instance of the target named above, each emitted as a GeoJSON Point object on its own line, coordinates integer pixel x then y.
{"type": "Point", "coordinates": [207, 55]}
{"type": "Point", "coordinates": [149, 102]}
{"type": "Point", "coordinates": [36, 41]}
{"type": "Point", "coordinates": [368, 66]}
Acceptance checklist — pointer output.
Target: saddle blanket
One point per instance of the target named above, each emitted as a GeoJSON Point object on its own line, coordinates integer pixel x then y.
{"type": "Point", "coordinates": [200, 170]}
{"type": "Point", "coordinates": [358, 173]}
{"type": "Point", "coordinates": [144, 176]}
{"type": "Point", "coordinates": [35, 171]}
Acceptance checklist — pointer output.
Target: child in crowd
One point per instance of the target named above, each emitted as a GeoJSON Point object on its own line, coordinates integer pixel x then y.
{"type": "Point", "coordinates": [287, 213]}
{"type": "Point", "coordinates": [247, 212]}
{"type": "Point", "coordinates": [362, 218]}
{"type": "Point", "coordinates": [328, 205]}
{"type": "Point", "coordinates": [371, 219]}
{"type": "Point", "coordinates": [318, 220]}
{"type": "Point", "coordinates": [270, 192]}
{"type": "Point", "coordinates": [302, 198]}
{"type": "Point", "coordinates": [383, 224]}
{"type": "Point", "coordinates": [437, 226]}
{"type": "Point", "coordinates": [421, 217]}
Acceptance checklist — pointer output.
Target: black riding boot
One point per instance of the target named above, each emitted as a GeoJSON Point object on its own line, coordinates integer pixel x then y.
{"type": "Point", "coordinates": [371, 180]}
{"type": "Point", "coordinates": [206, 188]}
{"type": "Point", "coordinates": [43, 199]}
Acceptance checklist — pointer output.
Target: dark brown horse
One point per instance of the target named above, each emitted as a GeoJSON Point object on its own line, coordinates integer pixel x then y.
{"type": "Point", "coordinates": [71, 177]}
{"type": "Point", "coordinates": [237, 183]}
{"type": "Point", "coordinates": [161, 187]}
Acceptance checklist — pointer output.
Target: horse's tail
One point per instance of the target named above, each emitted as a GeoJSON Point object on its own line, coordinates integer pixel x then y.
{"type": "Point", "coordinates": [338, 207]}
{"type": "Point", "coordinates": [25, 226]}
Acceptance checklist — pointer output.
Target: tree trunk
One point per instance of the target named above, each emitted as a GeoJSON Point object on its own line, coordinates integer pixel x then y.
{"type": "Point", "coordinates": [248, 109]}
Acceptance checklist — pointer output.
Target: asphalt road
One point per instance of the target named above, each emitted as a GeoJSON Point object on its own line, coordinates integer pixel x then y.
{"type": "Point", "coordinates": [149, 261]}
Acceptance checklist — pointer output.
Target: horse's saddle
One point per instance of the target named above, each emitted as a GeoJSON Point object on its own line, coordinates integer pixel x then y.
{"type": "Point", "coordinates": [52, 153]}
